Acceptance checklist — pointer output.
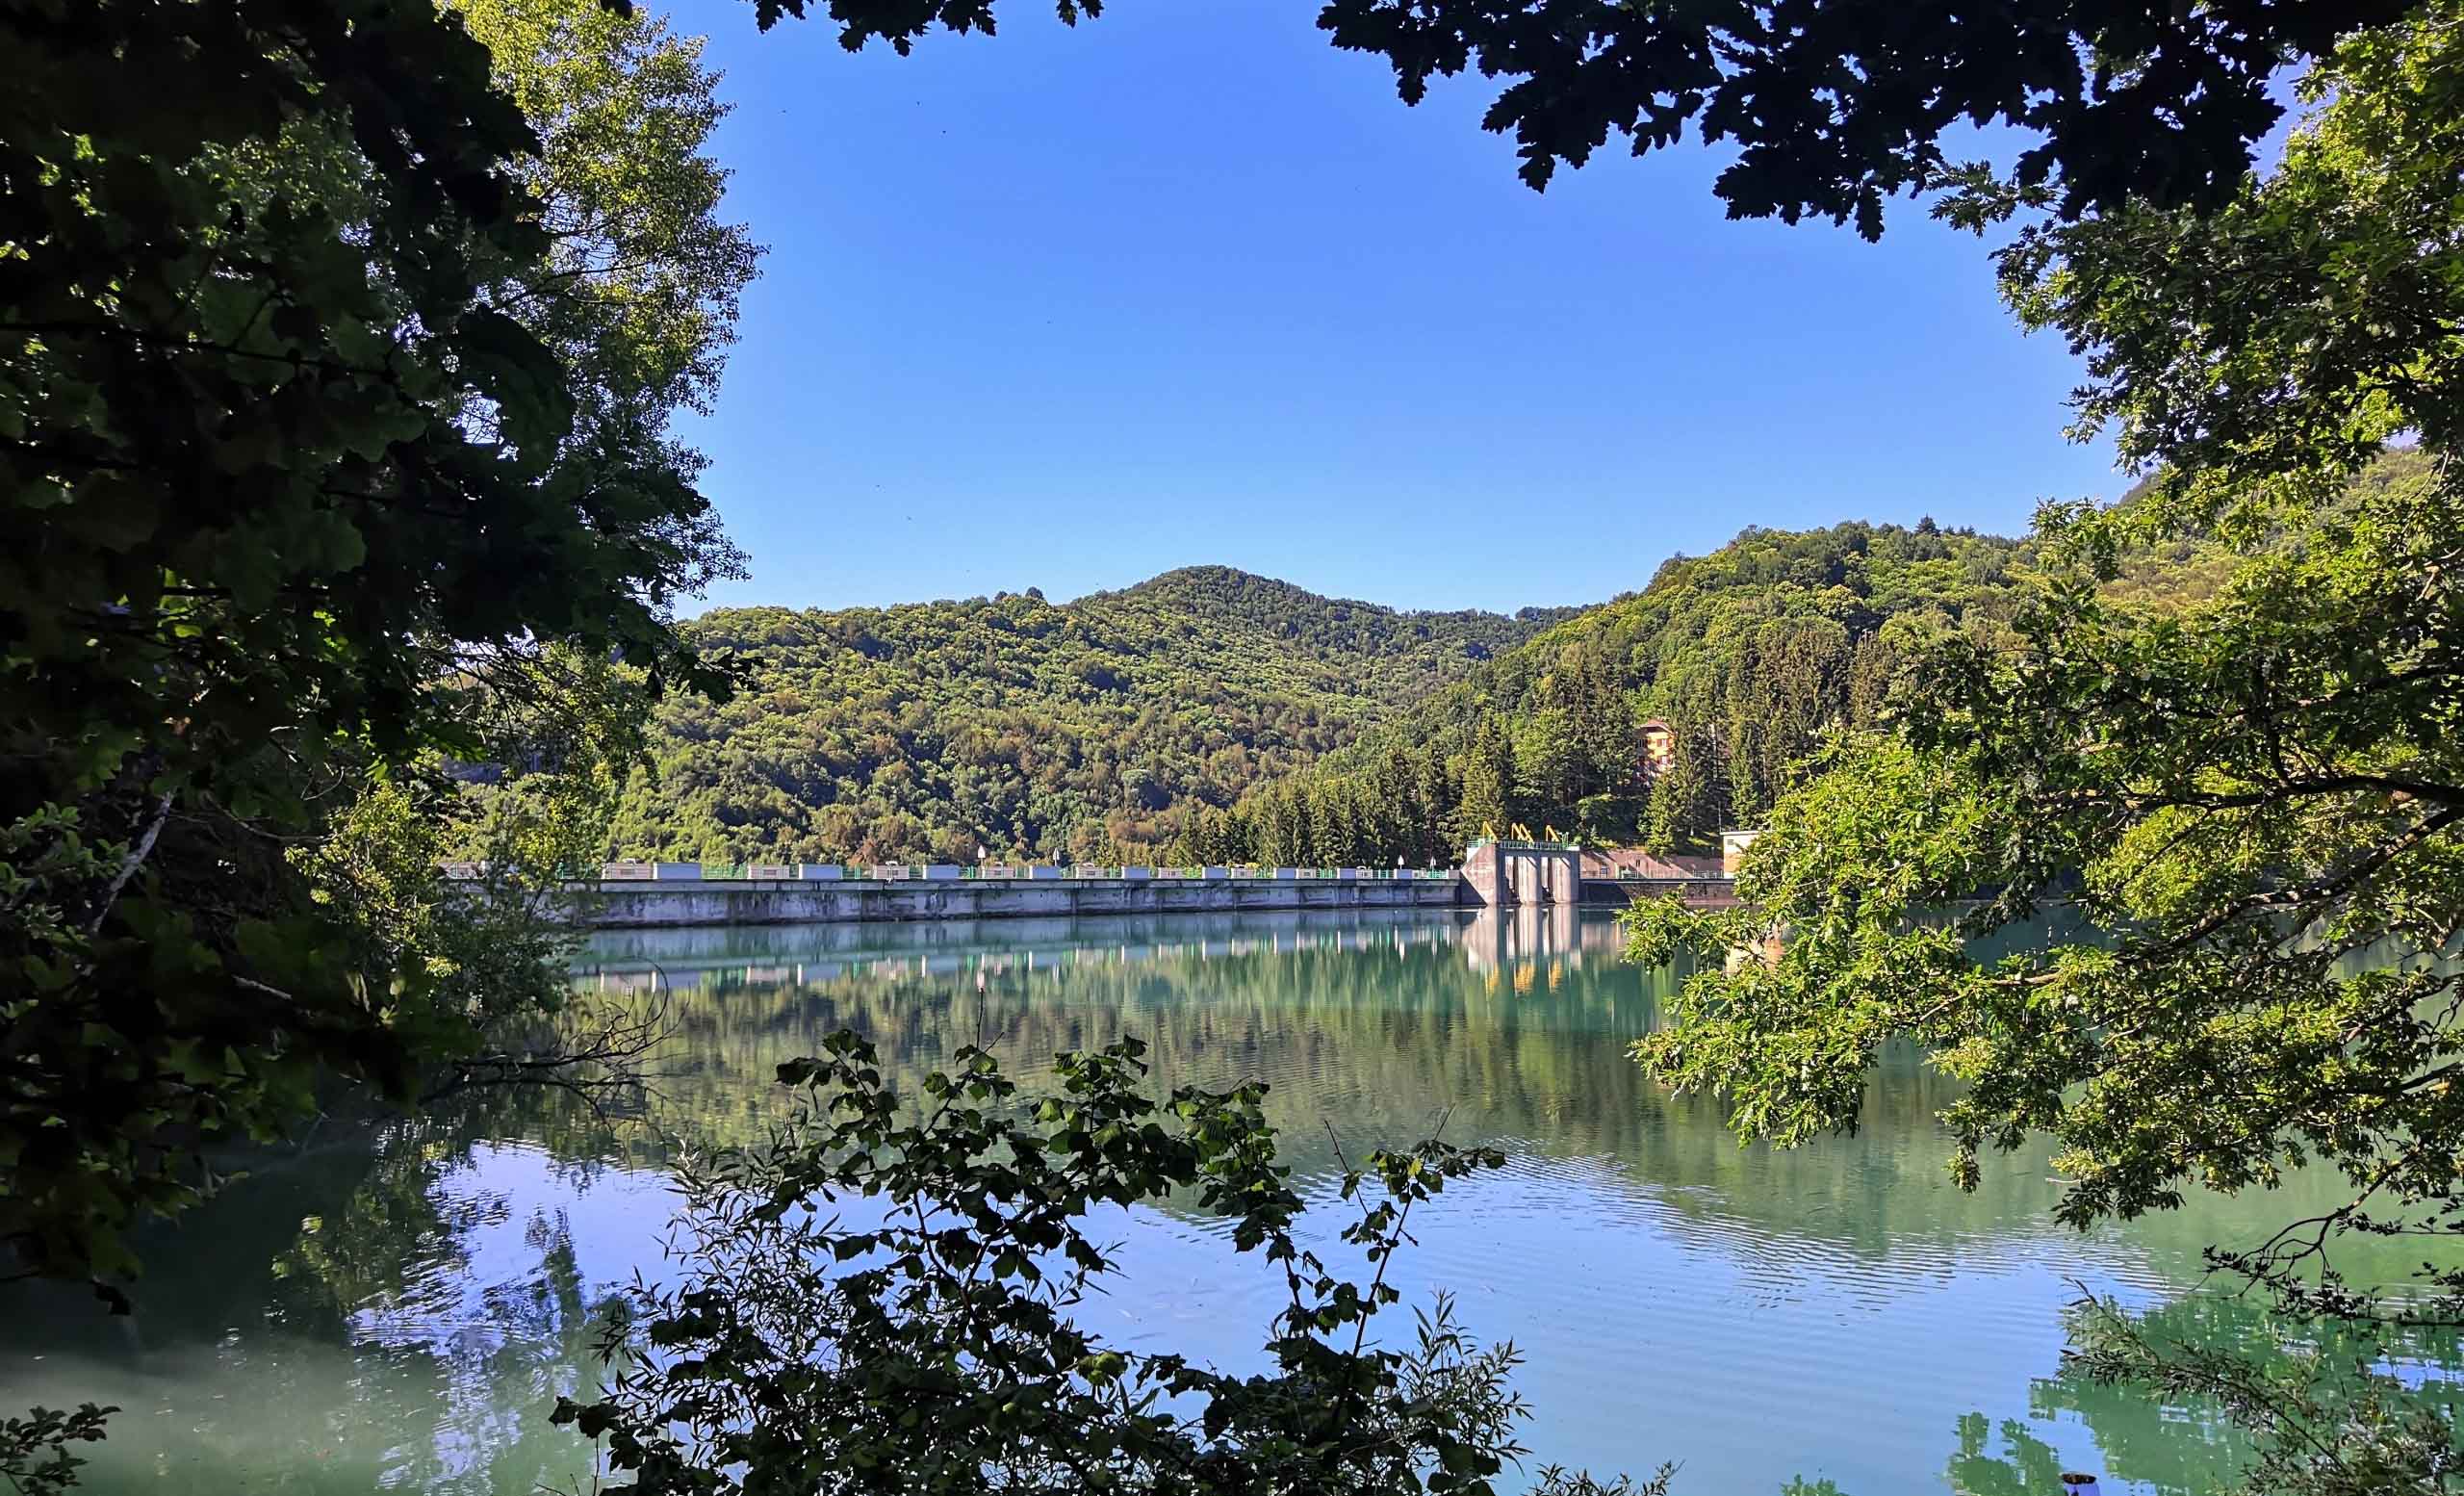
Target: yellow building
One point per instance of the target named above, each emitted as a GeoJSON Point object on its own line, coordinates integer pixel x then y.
{"type": "Point", "coordinates": [1658, 749]}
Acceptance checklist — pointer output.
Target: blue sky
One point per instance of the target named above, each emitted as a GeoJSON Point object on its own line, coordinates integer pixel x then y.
{"type": "Point", "coordinates": [1065, 308]}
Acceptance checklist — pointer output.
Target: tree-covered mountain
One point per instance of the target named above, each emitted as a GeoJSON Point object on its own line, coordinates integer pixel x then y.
{"type": "Point", "coordinates": [1209, 714]}
{"type": "Point", "coordinates": [1659, 719]}
{"type": "Point", "coordinates": [1012, 725]}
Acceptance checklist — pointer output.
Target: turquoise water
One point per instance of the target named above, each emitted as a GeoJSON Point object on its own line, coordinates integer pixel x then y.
{"type": "Point", "coordinates": [398, 1308]}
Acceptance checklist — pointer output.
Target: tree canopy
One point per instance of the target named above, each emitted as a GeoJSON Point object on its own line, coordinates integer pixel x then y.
{"type": "Point", "coordinates": [1208, 715]}
{"type": "Point", "coordinates": [1833, 106]}
{"type": "Point", "coordinates": [883, 1300]}
{"type": "Point", "coordinates": [2254, 796]}
{"type": "Point", "coordinates": [332, 443]}
{"type": "Point", "coordinates": [338, 345]}
{"type": "Point", "coordinates": [1745, 657]}
{"type": "Point", "coordinates": [1011, 727]}
{"type": "Point", "coordinates": [1836, 104]}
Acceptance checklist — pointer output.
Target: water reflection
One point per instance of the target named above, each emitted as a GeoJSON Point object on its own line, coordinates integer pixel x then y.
{"type": "Point", "coordinates": [399, 1311]}
{"type": "Point", "coordinates": [2182, 1450]}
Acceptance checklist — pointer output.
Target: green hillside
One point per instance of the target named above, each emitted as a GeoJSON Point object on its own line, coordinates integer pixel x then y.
{"type": "Point", "coordinates": [1211, 715]}
{"type": "Point", "coordinates": [1745, 655]}
{"type": "Point", "coordinates": [1015, 727]}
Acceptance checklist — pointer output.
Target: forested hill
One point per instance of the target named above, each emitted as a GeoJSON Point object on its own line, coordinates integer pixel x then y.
{"type": "Point", "coordinates": [1015, 726]}
{"type": "Point", "coordinates": [1744, 654]}
{"type": "Point", "coordinates": [1225, 596]}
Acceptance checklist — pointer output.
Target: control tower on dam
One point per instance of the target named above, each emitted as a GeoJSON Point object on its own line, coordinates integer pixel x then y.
{"type": "Point", "coordinates": [1509, 874]}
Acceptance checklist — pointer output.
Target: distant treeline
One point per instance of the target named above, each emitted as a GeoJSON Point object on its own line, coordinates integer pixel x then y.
{"type": "Point", "coordinates": [1209, 716]}
{"type": "Point", "coordinates": [1740, 659]}
{"type": "Point", "coordinates": [1010, 727]}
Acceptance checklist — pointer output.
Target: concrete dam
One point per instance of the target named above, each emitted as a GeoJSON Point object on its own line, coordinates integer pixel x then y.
{"type": "Point", "coordinates": [1494, 875]}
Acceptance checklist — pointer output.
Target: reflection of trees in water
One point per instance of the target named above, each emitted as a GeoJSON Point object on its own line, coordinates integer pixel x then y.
{"type": "Point", "coordinates": [321, 1326]}
{"type": "Point", "coordinates": [1379, 1033]}
{"type": "Point", "coordinates": [2188, 1446]}
{"type": "Point", "coordinates": [340, 1290]}
{"type": "Point", "coordinates": [2019, 1464]}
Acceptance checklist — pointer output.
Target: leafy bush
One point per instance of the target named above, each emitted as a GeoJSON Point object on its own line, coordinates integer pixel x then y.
{"type": "Point", "coordinates": [932, 1349]}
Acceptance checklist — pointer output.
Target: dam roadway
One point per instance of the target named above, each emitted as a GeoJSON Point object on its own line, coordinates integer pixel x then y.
{"type": "Point", "coordinates": [648, 895]}
{"type": "Point", "coordinates": [633, 904]}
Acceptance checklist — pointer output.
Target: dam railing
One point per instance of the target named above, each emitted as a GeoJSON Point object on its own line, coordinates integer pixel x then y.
{"type": "Point", "coordinates": [933, 872]}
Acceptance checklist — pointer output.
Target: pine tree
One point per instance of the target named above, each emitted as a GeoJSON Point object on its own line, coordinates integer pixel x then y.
{"type": "Point", "coordinates": [1488, 784]}
{"type": "Point", "coordinates": [1438, 842]}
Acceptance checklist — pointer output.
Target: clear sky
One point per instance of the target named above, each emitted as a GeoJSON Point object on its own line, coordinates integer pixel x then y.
{"type": "Point", "coordinates": [1065, 308]}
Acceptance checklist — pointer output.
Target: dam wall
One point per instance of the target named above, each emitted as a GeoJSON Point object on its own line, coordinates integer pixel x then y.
{"type": "Point", "coordinates": [623, 904]}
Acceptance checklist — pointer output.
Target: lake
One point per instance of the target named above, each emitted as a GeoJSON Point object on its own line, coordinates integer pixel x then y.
{"type": "Point", "coordinates": [398, 1308]}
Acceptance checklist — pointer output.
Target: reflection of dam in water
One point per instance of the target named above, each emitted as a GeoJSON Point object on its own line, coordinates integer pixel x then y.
{"type": "Point", "coordinates": [1532, 939]}
{"type": "Point", "coordinates": [1537, 937]}
{"type": "Point", "coordinates": [986, 950]}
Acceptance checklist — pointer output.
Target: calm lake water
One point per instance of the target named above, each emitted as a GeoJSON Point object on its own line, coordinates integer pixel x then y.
{"type": "Point", "coordinates": [399, 1311]}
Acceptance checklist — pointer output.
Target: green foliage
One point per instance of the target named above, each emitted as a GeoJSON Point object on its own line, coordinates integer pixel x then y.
{"type": "Point", "coordinates": [930, 1348]}
{"type": "Point", "coordinates": [2337, 1413]}
{"type": "Point", "coordinates": [2129, 100]}
{"type": "Point", "coordinates": [321, 423]}
{"type": "Point", "coordinates": [463, 961]}
{"type": "Point", "coordinates": [2261, 816]}
{"type": "Point", "coordinates": [34, 1450]}
{"type": "Point", "coordinates": [2260, 808]}
{"type": "Point", "coordinates": [1488, 783]}
{"type": "Point", "coordinates": [639, 293]}
{"type": "Point", "coordinates": [333, 398]}
{"type": "Point", "coordinates": [1096, 729]}
{"type": "Point", "coordinates": [2256, 794]}
{"type": "Point", "coordinates": [1748, 654]}
{"type": "Point", "coordinates": [899, 22]}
